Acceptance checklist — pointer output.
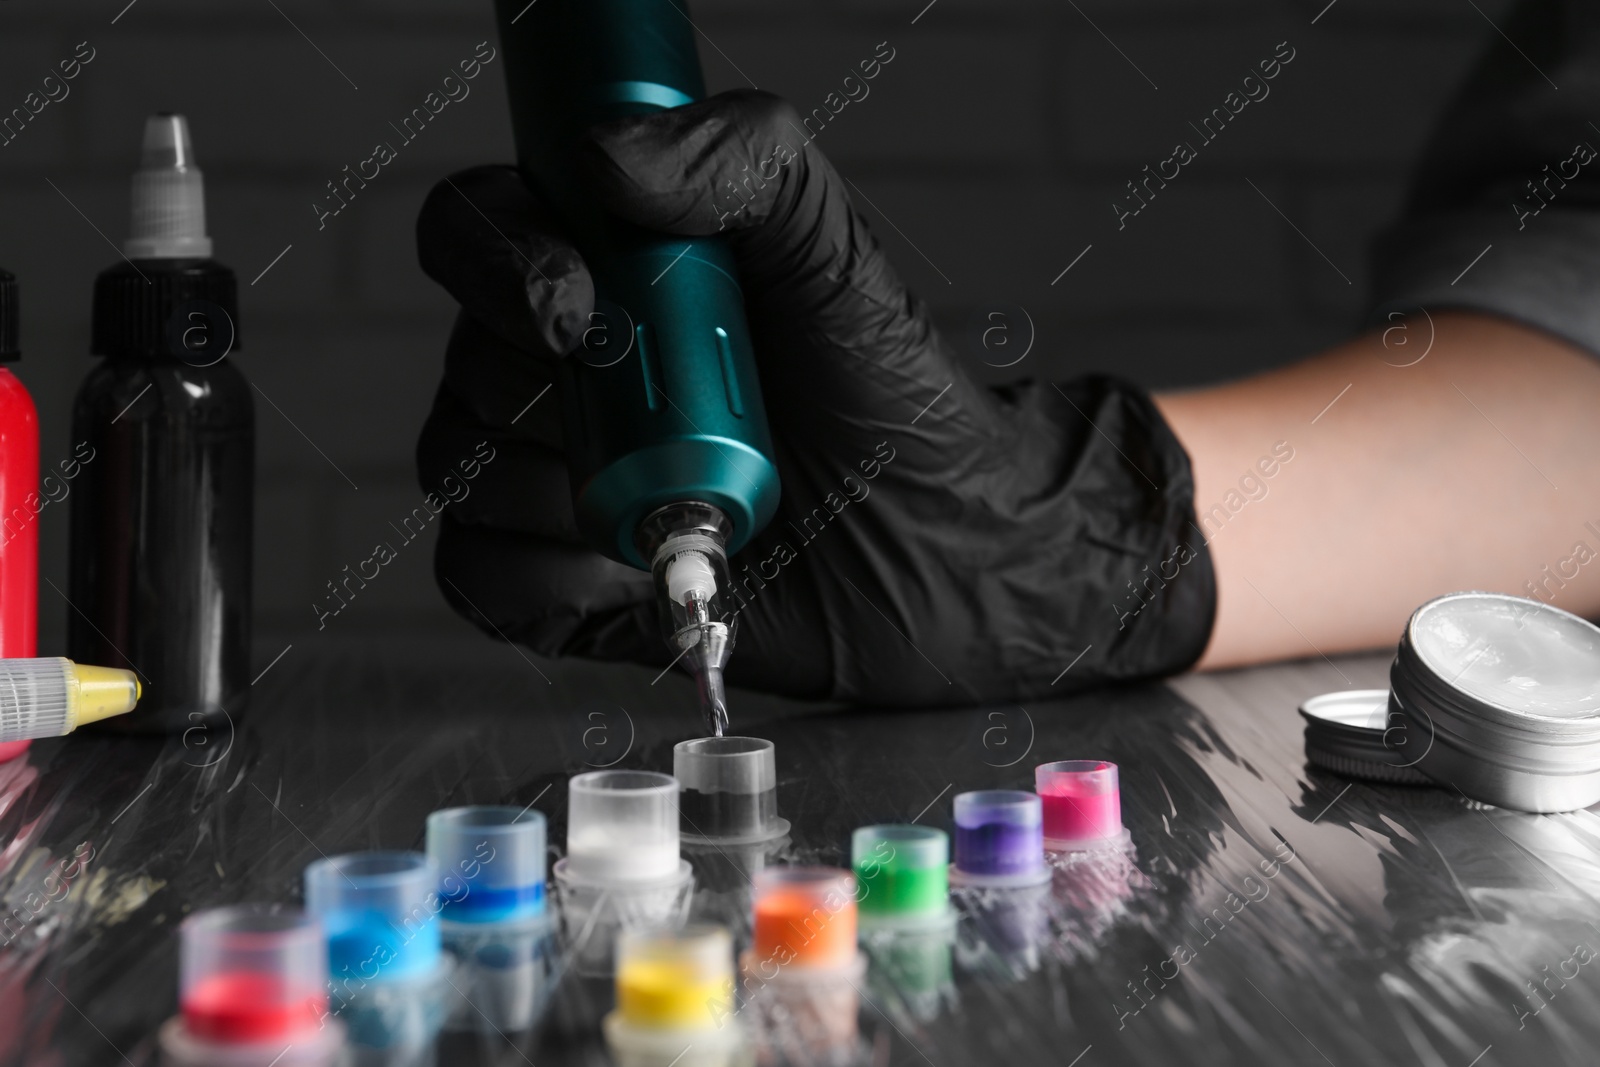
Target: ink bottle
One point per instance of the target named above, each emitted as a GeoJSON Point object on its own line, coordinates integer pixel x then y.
{"type": "Point", "coordinates": [162, 517]}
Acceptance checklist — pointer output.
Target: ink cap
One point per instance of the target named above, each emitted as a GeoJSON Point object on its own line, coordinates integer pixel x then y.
{"type": "Point", "coordinates": [622, 826]}
{"type": "Point", "coordinates": [380, 911]}
{"type": "Point", "coordinates": [730, 791]}
{"type": "Point", "coordinates": [673, 978]}
{"type": "Point", "coordinates": [490, 860]}
{"type": "Point", "coordinates": [252, 992]}
{"type": "Point", "coordinates": [804, 917]}
{"type": "Point", "coordinates": [999, 839]}
{"type": "Point", "coordinates": [623, 869]}
{"type": "Point", "coordinates": [675, 991]}
{"type": "Point", "coordinates": [1082, 804]}
{"type": "Point", "coordinates": [252, 972]}
{"type": "Point", "coordinates": [903, 876]}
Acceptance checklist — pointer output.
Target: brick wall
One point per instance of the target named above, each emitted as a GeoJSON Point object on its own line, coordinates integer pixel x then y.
{"type": "Point", "coordinates": [991, 148]}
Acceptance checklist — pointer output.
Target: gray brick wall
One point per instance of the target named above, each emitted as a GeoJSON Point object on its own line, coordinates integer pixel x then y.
{"type": "Point", "coordinates": [992, 147]}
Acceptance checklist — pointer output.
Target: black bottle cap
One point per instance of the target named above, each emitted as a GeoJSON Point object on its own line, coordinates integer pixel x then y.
{"type": "Point", "coordinates": [188, 308]}
{"type": "Point", "coordinates": [9, 352]}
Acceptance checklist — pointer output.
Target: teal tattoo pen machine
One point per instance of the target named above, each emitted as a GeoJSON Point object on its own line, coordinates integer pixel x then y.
{"type": "Point", "coordinates": [667, 443]}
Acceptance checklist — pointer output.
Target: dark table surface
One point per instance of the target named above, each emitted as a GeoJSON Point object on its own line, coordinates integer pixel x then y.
{"type": "Point", "coordinates": [1276, 914]}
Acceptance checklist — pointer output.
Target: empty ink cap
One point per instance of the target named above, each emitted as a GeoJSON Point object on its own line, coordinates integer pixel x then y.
{"type": "Point", "coordinates": [252, 973]}
{"type": "Point", "coordinates": [1082, 805]}
{"type": "Point", "coordinates": [674, 979]}
{"type": "Point", "coordinates": [1347, 733]}
{"type": "Point", "coordinates": [730, 793]}
{"type": "Point", "coordinates": [380, 911]}
{"type": "Point", "coordinates": [999, 839]}
{"type": "Point", "coordinates": [902, 872]}
{"type": "Point", "coordinates": [490, 862]}
{"type": "Point", "coordinates": [622, 826]}
{"type": "Point", "coordinates": [52, 696]}
{"type": "Point", "coordinates": [1499, 697]}
{"type": "Point", "coordinates": [169, 197]}
{"type": "Point", "coordinates": [804, 917]}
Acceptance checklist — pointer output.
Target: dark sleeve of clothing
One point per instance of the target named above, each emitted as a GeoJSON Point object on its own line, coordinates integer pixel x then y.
{"type": "Point", "coordinates": [1503, 214]}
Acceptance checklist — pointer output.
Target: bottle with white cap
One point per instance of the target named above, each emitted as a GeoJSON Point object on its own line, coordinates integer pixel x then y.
{"type": "Point", "coordinates": [162, 515]}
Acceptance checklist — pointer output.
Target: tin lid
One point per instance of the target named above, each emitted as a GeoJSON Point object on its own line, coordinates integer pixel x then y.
{"type": "Point", "coordinates": [1345, 733]}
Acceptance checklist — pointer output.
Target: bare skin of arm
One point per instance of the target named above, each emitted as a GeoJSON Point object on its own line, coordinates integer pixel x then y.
{"type": "Point", "coordinates": [1476, 466]}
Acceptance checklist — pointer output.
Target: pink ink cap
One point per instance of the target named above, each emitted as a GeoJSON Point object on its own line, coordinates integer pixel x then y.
{"type": "Point", "coordinates": [1082, 805]}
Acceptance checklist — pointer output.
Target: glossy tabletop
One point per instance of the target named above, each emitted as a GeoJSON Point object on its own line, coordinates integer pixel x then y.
{"type": "Point", "coordinates": [1270, 913]}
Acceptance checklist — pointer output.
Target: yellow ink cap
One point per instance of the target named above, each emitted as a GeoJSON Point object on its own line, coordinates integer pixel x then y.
{"type": "Point", "coordinates": [53, 696]}
{"type": "Point", "coordinates": [675, 979]}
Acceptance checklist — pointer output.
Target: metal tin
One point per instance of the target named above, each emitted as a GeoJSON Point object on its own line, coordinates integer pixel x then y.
{"type": "Point", "coordinates": [1500, 697]}
{"type": "Point", "coordinates": [1346, 733]}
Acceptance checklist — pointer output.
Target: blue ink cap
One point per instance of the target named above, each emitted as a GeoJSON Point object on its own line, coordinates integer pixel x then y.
{"type": "Point", "coordinates": [490, 863]}
{"type": "Point", "coordinates": [381, 914]}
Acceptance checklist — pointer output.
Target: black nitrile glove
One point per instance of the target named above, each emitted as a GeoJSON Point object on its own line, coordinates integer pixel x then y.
{"type": "Point", "coordinates": [962, 552]}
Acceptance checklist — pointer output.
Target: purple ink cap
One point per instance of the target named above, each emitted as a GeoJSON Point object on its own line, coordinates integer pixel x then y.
{"type": "Point", "coordinates": [999, 839]}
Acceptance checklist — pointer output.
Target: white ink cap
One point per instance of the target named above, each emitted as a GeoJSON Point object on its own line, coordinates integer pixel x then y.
{"type": "Point", "coordinates": [169, 195]}
{"type": "Point", "coordinates": [622, 826]}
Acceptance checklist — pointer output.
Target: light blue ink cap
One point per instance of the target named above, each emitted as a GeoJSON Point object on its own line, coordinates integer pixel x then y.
{"type": "Point", "coordinates": [381, 913]}
{"type": "Point", "coordinates": [490, 862]}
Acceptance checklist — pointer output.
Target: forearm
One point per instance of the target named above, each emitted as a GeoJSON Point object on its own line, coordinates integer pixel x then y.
{"type": "Point", "coordinates": [1475, 468]}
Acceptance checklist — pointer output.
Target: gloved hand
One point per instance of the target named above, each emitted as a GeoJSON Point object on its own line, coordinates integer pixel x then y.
{"type": "Point", "coordinates": [937, 542]}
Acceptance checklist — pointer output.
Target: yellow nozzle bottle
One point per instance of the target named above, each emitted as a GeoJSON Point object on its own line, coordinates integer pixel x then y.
{"type": "Point", "coordinates": [54, 696]}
